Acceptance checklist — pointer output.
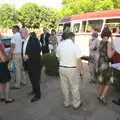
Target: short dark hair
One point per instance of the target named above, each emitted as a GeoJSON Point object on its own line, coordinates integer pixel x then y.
{"type": "Point", "coordinates": [95, 34]}
{"type": "Point", "coordinates": [33, 35]}
{"type": "Point", "coordinates": [53, 30]}
{"type": "Point", "coordinates": [71, 34]}
{"type": "Point", "coordinates": [65, 35]}
{"type": "Point", "coordinates": [16, 27]}
{"type": "Point", "coordinates": [106, 32]}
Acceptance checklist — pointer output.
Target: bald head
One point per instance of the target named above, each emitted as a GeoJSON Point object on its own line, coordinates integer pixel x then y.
{"type": "Point", "coordinates": [24, 33]}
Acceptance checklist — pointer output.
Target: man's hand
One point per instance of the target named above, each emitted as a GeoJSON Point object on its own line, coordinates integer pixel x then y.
{"type": "Point", "coordinates": [26, 57]}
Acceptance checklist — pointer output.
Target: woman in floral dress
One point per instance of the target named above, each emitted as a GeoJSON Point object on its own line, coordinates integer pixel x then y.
{"type": "Point", "coordinates": [104, 72]}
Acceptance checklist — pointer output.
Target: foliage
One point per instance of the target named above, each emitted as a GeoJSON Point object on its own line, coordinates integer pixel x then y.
{"type": "Point", "coordinates": [71, 7]}
{"type": "Point", "coordinates": [8, 16]}
{"type": "Point", "coordinates": [34, 16]}
{"type": "Point", "coordinates": [51, 64]}
{"type": "Point", "coordinates": [116, 74]}
{"type": "Point", "coordinates": [104, 5]}
{"type": "Point", "coordinates": [116, 4]}
{"type": "Point", "coordinates": [29, 15]}
{"type": "Point", "coordinates": [49, 17]}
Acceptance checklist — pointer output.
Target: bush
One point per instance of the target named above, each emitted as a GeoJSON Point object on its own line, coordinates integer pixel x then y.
{"type": "Point", "coordinates": [116, 74]}
{"type": "Point", "coordinates": [51, 64]}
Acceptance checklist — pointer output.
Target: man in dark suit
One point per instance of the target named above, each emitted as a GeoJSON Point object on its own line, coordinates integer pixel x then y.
{"type": "Point", "coordinates": [32, 59]}
{"type": "Point", "coordinates": [44, 39]}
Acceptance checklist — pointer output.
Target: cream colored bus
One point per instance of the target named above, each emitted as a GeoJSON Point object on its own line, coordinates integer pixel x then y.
{"type": "Point", "coordinates": [82, 26]}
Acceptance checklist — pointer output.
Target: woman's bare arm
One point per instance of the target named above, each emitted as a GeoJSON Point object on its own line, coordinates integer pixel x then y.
{"type": "Point", "coordinates": [3, 56]}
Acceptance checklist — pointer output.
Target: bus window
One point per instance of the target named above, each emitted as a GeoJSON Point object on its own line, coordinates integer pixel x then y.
{"type": "Point", "coordinates": [76, 27]}
{"type": "Point", "coordinates": [113, 27]}
{"type": "Point", "coordinates": [96, 24]}
{"type": "Point", "coordinates": [60, 28]}
{"type": "Point", "coordinates": [113, 24]}
{"type": "Point", "coordinates": [66, 27]}
{"type": "Point", "coordinates": [83, 26]}
{"type": "Point", "coordinates": [117, 20]}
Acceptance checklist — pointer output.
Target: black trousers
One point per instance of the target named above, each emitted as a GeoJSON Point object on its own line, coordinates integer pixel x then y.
{"type": "Point", "coordinates": [45, 49]}
{"type": "Point", "coordinates": [34, 76]}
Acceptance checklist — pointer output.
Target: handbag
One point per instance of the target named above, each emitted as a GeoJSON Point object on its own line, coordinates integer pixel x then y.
{"type": "Point", "coordinates": [110, 50]}
{"type": "Point", "coordinates": [12, 67]}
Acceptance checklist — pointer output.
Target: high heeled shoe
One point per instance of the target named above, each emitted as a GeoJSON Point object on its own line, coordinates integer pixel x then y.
{"type": "Point", "coordinates": [103, 101]}
{"type": "Point", "coordinates": [99, 99]}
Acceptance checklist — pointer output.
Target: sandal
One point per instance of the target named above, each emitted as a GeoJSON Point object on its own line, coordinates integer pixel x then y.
{"type": "Point", "coordinates": [9, 101]}
{"type": "Point", "coordinates": [99, 99]}
{"type": "Point", "coordinates": [104, 101]}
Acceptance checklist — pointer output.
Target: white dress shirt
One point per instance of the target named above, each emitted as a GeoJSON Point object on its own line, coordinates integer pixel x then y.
{"type": "Point", "coordinates": [67, 53]}
{"type": "Point", "coordinates": [17, 40]}
{"type": "Point", "coordinates": [25, 45]}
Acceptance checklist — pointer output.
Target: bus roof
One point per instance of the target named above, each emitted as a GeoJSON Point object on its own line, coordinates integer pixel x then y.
{"type": "Point", "coordinates": [90, 15]}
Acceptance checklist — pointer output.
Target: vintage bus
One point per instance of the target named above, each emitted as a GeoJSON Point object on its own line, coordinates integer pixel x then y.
{"type": "Point", "coordinates": [83, 24]}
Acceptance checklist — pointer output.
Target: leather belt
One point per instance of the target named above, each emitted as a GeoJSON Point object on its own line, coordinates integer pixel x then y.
{"type": "Point", "coordinates": [67, 66]}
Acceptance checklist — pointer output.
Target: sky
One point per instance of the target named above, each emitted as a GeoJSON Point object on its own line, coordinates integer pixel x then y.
{"type": "Point", "coordinates": [48, 3]}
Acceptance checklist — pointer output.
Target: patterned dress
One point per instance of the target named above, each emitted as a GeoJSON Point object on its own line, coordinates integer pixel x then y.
{"type": "Point", "coordinates": [93, 57]}
{"type": "Point", "coordinates": [53, 42]}
{"type": "Point", "coordinates": [104, 71]}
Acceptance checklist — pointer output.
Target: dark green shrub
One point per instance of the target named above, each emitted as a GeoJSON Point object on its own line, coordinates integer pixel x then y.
{"type": "Point", "coordinates": [51, 64]}
{"type": "Point", "coordinates": [116, 74]}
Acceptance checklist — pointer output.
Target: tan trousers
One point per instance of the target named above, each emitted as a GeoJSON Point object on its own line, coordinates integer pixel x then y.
{"type": "Point", "coordinates": [20, 73]}
{"type": "Point", "coordinates": [70, 85]}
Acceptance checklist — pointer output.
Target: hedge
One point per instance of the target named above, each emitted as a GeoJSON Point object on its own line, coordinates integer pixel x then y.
{"type": "Point", "coordinates": [116, 74]}
{"type": "Point", "coordinates": [51, 64]}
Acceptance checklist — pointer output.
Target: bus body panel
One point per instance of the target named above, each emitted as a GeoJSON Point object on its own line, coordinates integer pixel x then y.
{"type": "Point", "coordinates": [99, 19]}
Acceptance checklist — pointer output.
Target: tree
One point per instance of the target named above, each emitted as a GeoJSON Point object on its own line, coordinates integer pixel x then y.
{"type": "Point", "coordinates": [77, 6]}
{"type": "Point", "coordinates": [50, 17]}
{"type": "Point", "coordinates": [34, 16]}
{"type": "Point", "coordinates": [8, 16]}
{"type": "Point", "coordinates": [29, 15]}
{"type": "Point", "coordinates": [71, 7]}
{"type": "Point", "coordinates": [116, 3]}
{"type": "Point", "coordinates": [104, 5]}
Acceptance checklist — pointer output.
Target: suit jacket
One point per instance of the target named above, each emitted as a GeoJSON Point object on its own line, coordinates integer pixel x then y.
{"type": "Point", "coordinates": [46, 39]}
{"type": "Point", "coordinates": [33, 50]}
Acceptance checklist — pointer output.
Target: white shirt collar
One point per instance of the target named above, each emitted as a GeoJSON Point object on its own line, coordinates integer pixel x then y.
{"type": "Point", "coordinates": [27, 38]}
{"type": "Point", "coordinates": [25, 45]}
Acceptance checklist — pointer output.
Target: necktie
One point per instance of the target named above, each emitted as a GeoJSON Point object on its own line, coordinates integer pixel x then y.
{"type": "Point", "coordinates": [44, 40]}
{"type": "Point", "coordinates": [22, 49]}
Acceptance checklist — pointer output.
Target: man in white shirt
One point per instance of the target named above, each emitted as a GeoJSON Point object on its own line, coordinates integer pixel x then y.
{"type": "Point", "coordinates": [69, 55]}
{"type": "Point", "coordinates": [16, 45]}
